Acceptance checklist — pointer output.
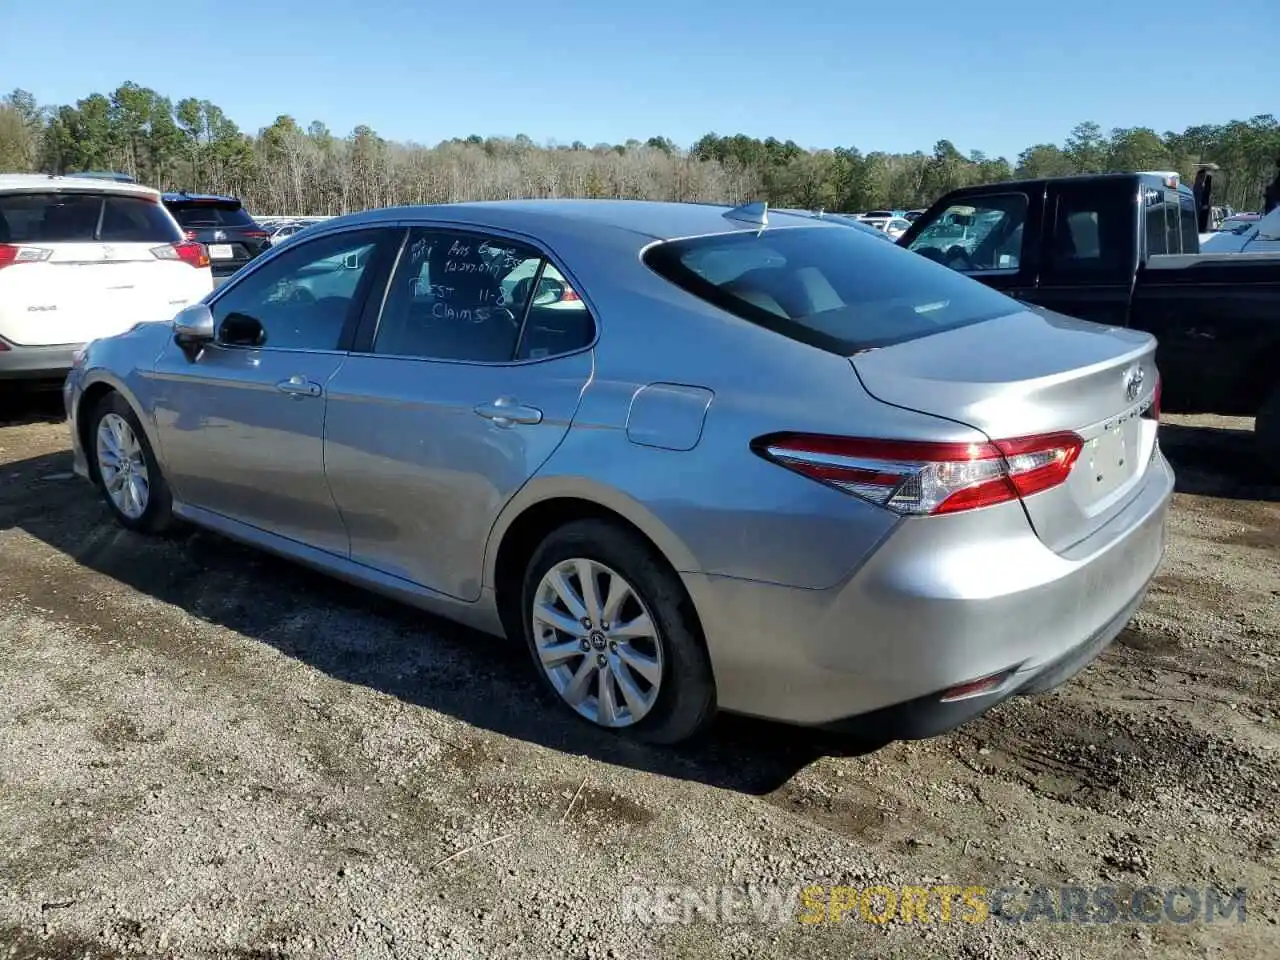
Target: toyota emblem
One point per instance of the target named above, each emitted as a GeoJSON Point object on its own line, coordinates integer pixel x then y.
{"type": "Point", "coordinates": [1133, 382]}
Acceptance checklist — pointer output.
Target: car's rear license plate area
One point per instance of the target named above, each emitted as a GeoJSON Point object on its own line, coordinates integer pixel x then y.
{"type": "Point", "coordinates": [220, 251]}
{"type": "Point", "coordinates": [1110, 457]}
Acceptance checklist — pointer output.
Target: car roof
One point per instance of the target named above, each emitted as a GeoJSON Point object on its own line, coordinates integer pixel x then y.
{"type": "Point", "coordinates": [45, 183]}
{"type": "Point", "coordinates": [582, 219]}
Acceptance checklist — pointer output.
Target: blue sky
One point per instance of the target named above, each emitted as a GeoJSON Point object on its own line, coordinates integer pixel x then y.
{"type": "Point", "coordinates": [994, 75]}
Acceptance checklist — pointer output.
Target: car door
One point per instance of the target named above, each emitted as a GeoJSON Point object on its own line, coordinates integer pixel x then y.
{"type": "Point", "coordinates": [241, 424]}
{"type": "Point", "coordinates": [1090, 249]}
{"type": "Point", "coordinates": [452, 399]}
{"type": "Point", "coordinates": [990, 237]}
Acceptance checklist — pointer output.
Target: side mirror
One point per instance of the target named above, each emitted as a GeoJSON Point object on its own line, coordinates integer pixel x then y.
{"type": "Point", "coordinates": [193, 325]}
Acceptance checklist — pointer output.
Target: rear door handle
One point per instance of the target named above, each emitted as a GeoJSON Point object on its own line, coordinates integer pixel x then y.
{"type": "Point", "coordinates": [508, 411]}
{"type": "Point", "coordinates": [299, 386]}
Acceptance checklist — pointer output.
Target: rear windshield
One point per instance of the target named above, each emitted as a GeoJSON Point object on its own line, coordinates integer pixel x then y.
{"type": "Point", "coordinates": [830, 287]}
{"type": "Point", "coordinates": [211, 214]}
{"type": "Point", "coordinates": [83, 217]}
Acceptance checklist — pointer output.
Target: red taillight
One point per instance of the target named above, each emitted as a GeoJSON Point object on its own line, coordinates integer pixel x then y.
{"type": "Point", "coordinates": [924, 478]}
{"type": "Point", "coordinates": [1153, 412]}
{"type": "Point", "coordinates": [257, 234]}
{"type": "Point", "coordinates": [569, 295]}
{"type": "Point", "coordinates": [13, 253]}
{"type": "Point", "coordinates": [188, 252]}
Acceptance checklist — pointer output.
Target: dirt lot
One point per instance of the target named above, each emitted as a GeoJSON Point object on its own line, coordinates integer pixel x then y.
{"type": "Point", "coordinates": [206, 752]}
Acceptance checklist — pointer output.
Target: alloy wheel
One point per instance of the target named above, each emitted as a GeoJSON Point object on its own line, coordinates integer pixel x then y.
{"type": "Point", "coordinates": [123, 466]}
{"type": "Point", "coordinates": [597, 642]}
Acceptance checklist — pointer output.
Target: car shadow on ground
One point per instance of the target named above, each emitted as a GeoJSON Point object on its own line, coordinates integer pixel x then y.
{"type": "Point", "coordinates": [22, 404]}
{"type": "Point", "coordinates": [1217, 462]}
{"type": "Point", "coordinates": [421, 659]}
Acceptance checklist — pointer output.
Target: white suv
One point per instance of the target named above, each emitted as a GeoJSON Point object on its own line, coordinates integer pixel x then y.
{"type": "Point", "coordinates": [82, 259]}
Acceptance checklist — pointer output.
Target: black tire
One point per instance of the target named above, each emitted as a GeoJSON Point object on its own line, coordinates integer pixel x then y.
{"type": "Point", "coordinates": [1266, 433]}
{"type": "Point", "coordinates": [686, 701]}
{"type": "Point", "coordinates": [158, 516]}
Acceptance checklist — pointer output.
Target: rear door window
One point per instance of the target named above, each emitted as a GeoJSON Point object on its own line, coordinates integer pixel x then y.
{"type": "Point", "coordinates": [36, 218]}
{"type": "Point", "coordinates": [978, 234]}
{"type": "Point", "coordinates": [457, 296]}
{"type": "Point", "coordinates": [830, 287]}
{"type": "Point", "coordinates": [1091, 235]}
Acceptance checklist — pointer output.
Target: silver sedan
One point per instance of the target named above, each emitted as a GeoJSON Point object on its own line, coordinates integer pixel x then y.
{"type": "Point", "coordinates": [697, 458]}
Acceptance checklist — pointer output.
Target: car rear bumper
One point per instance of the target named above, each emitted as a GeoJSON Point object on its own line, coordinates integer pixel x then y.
{"type": "Point", "coordinates": [36, 363]}
{"type": "Point", "coordinates": [942, 601]}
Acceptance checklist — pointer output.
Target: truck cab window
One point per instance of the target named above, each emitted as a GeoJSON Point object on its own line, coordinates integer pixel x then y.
{"type": "Point", "coordinates": [1153, 216]}
{"type": "Point", "coordinates": [978, 234]}
{"type": "Point", "coordinates": [1091, 235]}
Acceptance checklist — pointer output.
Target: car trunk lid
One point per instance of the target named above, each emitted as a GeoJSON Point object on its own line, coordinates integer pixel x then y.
{"type": "Point", "coordinates": [1030, 373]}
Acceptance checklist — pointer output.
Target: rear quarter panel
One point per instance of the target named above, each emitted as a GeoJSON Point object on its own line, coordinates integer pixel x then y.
{"type": "Point", "coordinates": [718, 508]}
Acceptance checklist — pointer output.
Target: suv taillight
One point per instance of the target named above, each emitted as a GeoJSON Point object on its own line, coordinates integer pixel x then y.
{"type": "Point", "coordinates": [917, 478]}
{"type": "Point", "coordinates": [12, 253]}
{"type": "Point", "coordinates": [188, 252]}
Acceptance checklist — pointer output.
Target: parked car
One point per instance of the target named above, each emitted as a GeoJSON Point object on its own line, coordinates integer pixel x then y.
{"type": "Point", "coordinates": [1124, 249]}
{"type": "Point", "coordinates": [896, 227]}
{"type": "Point", "coordinates": [743, 476]}
{"type": "Point", "coordinates": [282, 230]}
{"type": "Point", "coordinates": [1233, 235]}
{"type": "Point", "coordinates": [222, 224]}
{"type": "Point", "coordinates": [82, 258]}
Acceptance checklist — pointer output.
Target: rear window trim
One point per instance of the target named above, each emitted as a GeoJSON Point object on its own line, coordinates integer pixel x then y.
{"type": "Point", "coordinates": [667, 254]}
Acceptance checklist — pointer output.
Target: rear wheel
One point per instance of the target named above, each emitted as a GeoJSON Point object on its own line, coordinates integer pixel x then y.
{"type": "Point", "coordinates": [1266, 432]}
{"type": "Point", "coordinates": [613, 634]}
{"type": "Point", "coordinates": [126, 468]}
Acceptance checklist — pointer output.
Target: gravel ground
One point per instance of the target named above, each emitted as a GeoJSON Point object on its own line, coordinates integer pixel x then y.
{"type": "Point", "coordinates": [207, 752]}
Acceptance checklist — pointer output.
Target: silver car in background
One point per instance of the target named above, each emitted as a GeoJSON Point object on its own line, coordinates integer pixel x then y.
{"type": "Point", "coordinates": [698, 458]}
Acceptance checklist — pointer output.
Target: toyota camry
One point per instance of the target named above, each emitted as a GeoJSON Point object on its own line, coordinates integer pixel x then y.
{"type": "Point", "coordinates": [695, 458]}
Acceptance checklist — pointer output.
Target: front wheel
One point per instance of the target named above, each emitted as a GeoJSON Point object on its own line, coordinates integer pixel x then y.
{"type": "Point", "coordinates": [126, 468]}
{"type": "Point", "coordinates": [613, 633]}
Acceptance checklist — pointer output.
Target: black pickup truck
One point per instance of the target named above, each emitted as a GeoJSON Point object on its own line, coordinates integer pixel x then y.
{"type": "Point", "coordinates": [1124, 249]}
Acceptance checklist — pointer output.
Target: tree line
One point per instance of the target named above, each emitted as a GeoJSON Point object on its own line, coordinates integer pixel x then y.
{"type": "Point", "coordinates": [193, 145]}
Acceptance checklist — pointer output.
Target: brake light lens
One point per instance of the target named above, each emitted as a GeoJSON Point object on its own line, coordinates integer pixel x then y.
{"type": "Point", "coordinates": [569, 295]}
{"type": "Point", "coordinates": [259, 234]}
{"type": "Point", "coordinates": [12, 254]}
{"type": "Point", "coordinates": [1153, 412]}
{"type": "Point", "coordinates": [188, 252]}
{"type": "Point", "coordinates": [916, 478]}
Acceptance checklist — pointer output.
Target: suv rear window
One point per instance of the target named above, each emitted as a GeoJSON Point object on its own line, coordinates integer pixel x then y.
{"type": "Point", "coordinates": [83, 217]}
{"type": "Point", "coordinates": [830, 287]}
{"type": "Point", "coordinates": [211, 214]}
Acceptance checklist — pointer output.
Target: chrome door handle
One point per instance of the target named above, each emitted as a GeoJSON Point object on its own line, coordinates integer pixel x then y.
{"type": "Point", "coordinates": [508, 411]}
{"type": "Point", "coordinates": [299, 386]}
